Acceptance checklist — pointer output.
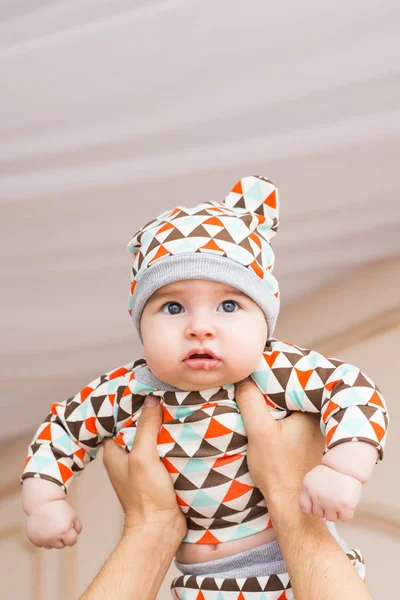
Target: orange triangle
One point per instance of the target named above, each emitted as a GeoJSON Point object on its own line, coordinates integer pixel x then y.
{"type": "Point", "coordinates": [237, 489]}
{"type": "Point", "coordinates": [80, 454]}
{"type": "Point", "coordinates": [379, 431]}
{"type": "Point", "coordinates": [257, 269]}
{"type": "Point", "coordinates": [260, 218]}
{"type": "Point", "coordinates": [330, 408]}
{"type": "Point", "coordinates": [112, 399]}
{"type": "Point", "coordinates": [126, 392]}
{"type": "Point", "coordinates": [180, 501]}
{"type": "Point", "coordinates": [208, 538]}
{"type": "Point", "coordinates": [85, 393]}
{"type": "Point", "coordinates": [133, 285]}
{"type": "Point", "coordinates": [215, 429]}
{"type": "Point", "coordinates": [45, 434]}
{"type": "Point", "coordinates": [164, 437]}
{"type": "Point", "coordinates": [283, 596]}
{"type": "Point", "coordinates": [54, 408]}
{"type": "Point", "coordinates": [200, 596]}
{"type": "Point", "coordinates": [237, 188]}
{"type": "Point", "coordinates": [167, 415]}
{"type": "Point", "coordinates": [211, 245]}
{"type": "Point", "coordinates": [331, 385]}
{"type": "Point", "coordinates": [241, 597]}
{"type": "Point", "coordinates": [303, 376]}
{"type": "Point", "coordinates": [118, 373]}
{"type": "Point", "coordinates": [119, 439]}
{"type": "Point", "coordinates": [214, 221]}
{"type": "Point", "coordinates": [176, 210]}
{"type": "Point", "coordinates": [271, 358]}
{"type": "Point", "coordinates": [225, 460]}
{"type": "Point", "coordinates": [276, 294]}
{"type": "Point", "coordinates": [160, 252]}
{"type": "Point", "coordinates": [165, 228]}
{"type": "Point", "coordinates": [90, 424]}
{"type": "Point", "coordinates": [65, 472]}
{"type": "Point", "coordinates": [271, 200]}
{"type": "Point", "coordinates": [375, 400]}
{"type": "Point", "coordinates": [26, 462]}
{"type": "Point", "coordinates": [255, 239]}
{"type": "Point", "coordinates": [169, 466]}
{"type": "Point", "coordinates": [330, 433]}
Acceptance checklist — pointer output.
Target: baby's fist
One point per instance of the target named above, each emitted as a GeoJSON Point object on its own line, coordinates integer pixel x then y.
{"type": "Point", "coordinates": [53, 525]}
{"type": "Point", "coordinates": [329, 494]}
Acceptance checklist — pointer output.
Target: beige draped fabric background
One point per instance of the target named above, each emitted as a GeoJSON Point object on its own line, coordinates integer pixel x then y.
{"type": "Point", "coordinates": [113, 111]}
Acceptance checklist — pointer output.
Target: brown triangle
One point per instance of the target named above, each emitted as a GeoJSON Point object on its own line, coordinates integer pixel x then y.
{"type": "Point", "coordinates": [193, 513]}
{"type": "Point", "coordinates": [243, 469]}
{"type": "Point", "coordinates": [255, 513]}
{"type": "Point", "coordinates": [283, 375]}
{"type": "Point", "coordinates": [361, 381]}
{"type": "Point", "coordinates": [230, 585]}
{"type": "Point", "coordinates": [251, 585]}
{"type": "Point", "coordinates": [107, 423]}
{"type": "Point", "coordinates": [199, 232]}
{"type": "Point", "coordinates": [198, 415]}
{"type": "Point", "coordinates": [215, 479]}
{"type": "Point", "coordinates": [206, 449]}
{"type": "Point", "coordinates": [183, 483]}
{"type": "Point", "coordinates": [237, 441]}
{"type": "Point", "coordinates": [274, 584]}
{"type": "Point", "coordinates": [155, 243]}
{"type": "Point", "coordinates": [191, 525]}
{"type": "Point", "coordinates": [246, 245]}
{"type": "Point", "coordinates": [170, 399]}
{"type": "Point", "coordinates": [224, 511]}
{"type": "Point", "coordinates": [177, 452]}
{"type": "Point", "coordinates": [70, 407]}
{"type": "Point", "coordinates": [96, 402]}
{"type": "Point", "coordinates": [279, 399]}
{"type": "Point", "coordinates": [255, 498]}
{"type": "Point", "coordinates": [315, 397]}
{"type": "Point", "coordinates": [175, 234]}
{"type": "Point", "coordinates": [225, 236]}
{"type": "Point", "coordinates": [209, 583]}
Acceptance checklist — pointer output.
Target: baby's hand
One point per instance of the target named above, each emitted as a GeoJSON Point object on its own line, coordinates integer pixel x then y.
{"type": "Point", "coordinates": [53, 525]}
{"type": "Point", "coordinates": [329, 494]}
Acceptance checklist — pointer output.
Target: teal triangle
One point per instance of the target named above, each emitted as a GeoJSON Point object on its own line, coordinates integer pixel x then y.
{"type": "Point", "coordinates": [297, 398]}
{"type": "Point", "coordinates": [203, 499]}
{"type": "Point", "coordinates": [351, 398]}
{"type": "Point", "coordinates": [262, 377]}
{"type": "Point", "coordinates": [194, 465]}
{"type": "Point", "coordinates": [243, 531]}
{"type": "Point", "coordinates": [188, 434]}
{"type": "Point", "coordinates": [183, 411]}
{"type": "Point", "coordinates": [83, 409]}
{"type": "Point", "coordinates": [220, 596]}
{"type": "Point", "coordinates": [255, 192]}
{"type": "Point", "coordinates": [41, 462]}
{"type": "Point", "coordinates": [353, 427]}
{"type": "Point", "coordinates": [139, 387]}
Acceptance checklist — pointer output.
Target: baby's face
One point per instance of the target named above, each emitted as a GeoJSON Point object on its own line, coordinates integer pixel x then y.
{"type": "Point", "coordinates": [202, 316]}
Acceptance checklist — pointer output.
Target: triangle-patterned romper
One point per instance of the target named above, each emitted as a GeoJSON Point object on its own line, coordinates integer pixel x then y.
{"type": "Point", "coordinates": [202, 443]}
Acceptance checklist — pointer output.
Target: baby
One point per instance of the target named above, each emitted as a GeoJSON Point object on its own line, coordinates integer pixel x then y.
{"type": "Point", "coordinates": [205, 303]}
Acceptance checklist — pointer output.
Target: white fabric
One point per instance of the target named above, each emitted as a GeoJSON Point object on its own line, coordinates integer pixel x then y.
{"type": "Point", "coordinates": [113, 111]}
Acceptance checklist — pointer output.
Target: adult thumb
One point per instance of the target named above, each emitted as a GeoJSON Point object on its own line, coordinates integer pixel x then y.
{"type": "Point", "coordinates": [252, 406]}
{"type": "Point", "coordinates": [148, 426]}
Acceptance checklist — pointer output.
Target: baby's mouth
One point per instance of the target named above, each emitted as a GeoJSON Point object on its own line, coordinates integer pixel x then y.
{"type": "Point", "coordinates": [202, 361]}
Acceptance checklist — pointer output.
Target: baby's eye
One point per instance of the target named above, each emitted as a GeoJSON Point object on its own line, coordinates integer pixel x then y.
{"type": "Point", "coordinates": [229, 306]}
{"type": "Point", "coordinates": [172, 308]}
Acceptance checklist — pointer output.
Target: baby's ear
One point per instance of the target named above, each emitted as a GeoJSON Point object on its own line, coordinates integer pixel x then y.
{"type": "Point", "coordinates": [256, 195]}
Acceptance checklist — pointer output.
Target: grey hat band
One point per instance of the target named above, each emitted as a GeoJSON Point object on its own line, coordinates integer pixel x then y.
{"type": "Point", "coordinates": [211, 267]}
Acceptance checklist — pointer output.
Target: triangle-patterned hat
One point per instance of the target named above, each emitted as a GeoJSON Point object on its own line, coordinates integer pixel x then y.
{"type": "Point", "coordinates": [227, 242]}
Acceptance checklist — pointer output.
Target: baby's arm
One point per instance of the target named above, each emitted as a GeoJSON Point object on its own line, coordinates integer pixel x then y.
{"type": "Point", "coordinates": [50, 521]}
{"type": "Point", "coordinates": [332, 490]}
{"type": "Point", "coordinates": [68, 439]}
{"type": "Point", "coordinates": [354, 420]}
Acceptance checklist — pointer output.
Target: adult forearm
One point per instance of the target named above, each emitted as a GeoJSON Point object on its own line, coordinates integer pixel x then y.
{"type": "Point", "coordinates": [318, 567]}
{"type": "Point", "coordinates": [136, 568]}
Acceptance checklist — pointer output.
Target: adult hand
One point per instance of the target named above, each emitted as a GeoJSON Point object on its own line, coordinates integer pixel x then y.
{"type": "Point", "coordinates": [140, 480]}
{"type": "Point", "coordinates": [279, 452]}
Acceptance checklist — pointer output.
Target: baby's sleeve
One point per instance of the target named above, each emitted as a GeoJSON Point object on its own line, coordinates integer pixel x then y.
{"type": "Point", "coordinates": [72, 432]}
{"type": "Point", "coordinates": [350, 405]}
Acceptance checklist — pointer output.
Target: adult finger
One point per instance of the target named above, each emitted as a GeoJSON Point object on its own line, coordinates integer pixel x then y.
{"type": "Point", "coordinates": [148, 427]}
{"type": "Point", "coordinates": [252, 406]}
{"type": "Point", "coordinates": [113, 455]}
